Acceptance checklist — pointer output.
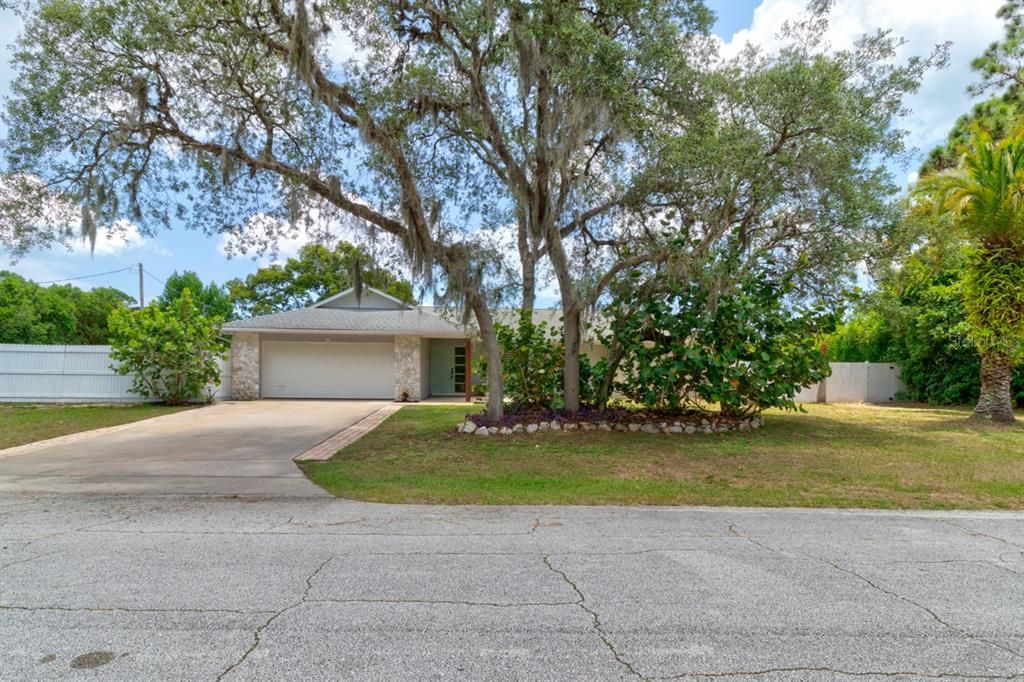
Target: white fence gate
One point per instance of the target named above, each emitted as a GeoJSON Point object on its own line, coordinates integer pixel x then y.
{"type": "Point", "coordinates": [856, 382]}
{"type": "Point", "coordinates": [70, 374]}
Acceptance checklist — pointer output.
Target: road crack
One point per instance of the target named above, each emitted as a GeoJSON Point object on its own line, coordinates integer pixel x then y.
{"type": "Point", "coordinates": [453, 602]}
{"type": "Point", "coordinates": [908, 600]}
{"type": "Point", "coordinates": [257, 634]}
{"type": "Point", "coordinates": [979, 534]}
{"type": "Point", "coordinates": [844, 673]}
{"type": "Point", "coordinates": [938, 619]}
{"type": "Point", "coordinates": [581, 602]}
{"type": "Point", "coordinates": [121, 609]}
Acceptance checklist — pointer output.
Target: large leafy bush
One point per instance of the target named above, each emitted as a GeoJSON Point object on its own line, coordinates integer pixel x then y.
{"type": "Point", "coordinates": [745, 349]}
{"type": "Point", "coordinates": [532, 357]}
{"type": "Point", "coordinates": [172, 353]}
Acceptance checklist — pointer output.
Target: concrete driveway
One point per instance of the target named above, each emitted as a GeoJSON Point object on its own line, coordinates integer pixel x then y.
{"type": "Point", "coordinates": [207, 588]}
{"type": "Point", "coordinates": [233, 448]}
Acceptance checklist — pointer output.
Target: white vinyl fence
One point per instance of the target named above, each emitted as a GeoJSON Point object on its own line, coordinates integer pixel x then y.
{"type": "Point", "coordinates": [70, 374]}
{"type": "Point", "coordinates": [856, 382]}
{"type": "Point", "coordinates": [82, 374]}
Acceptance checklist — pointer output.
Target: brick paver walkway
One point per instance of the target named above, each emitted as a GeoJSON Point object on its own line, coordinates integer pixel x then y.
{"type": "Point", "coordinates": [326, 449]}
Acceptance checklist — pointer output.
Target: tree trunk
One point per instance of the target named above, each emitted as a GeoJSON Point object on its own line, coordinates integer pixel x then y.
{"type": "Point", "coordinates": [492, 350]}
{"type": "Point", "coordinates": [571, 332]}
{"type": "Point", "coordinates": [994, 403]}
{"type": "Point", "coordinates": [604, 391]}
{"type": "Point", "coordinates": [528, 261]}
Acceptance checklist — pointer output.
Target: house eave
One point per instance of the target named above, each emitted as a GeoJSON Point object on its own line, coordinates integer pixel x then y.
{"type": "Point", "coordinates": [347, 332]}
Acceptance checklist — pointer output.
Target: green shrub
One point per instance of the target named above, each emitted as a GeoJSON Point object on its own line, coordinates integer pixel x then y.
{"type": "Point", "coordinates": [172, 353]}
{"type": "Point", "coordinates": [533, 357]}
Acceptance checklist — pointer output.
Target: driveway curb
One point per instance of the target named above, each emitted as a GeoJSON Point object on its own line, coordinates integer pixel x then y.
{"type": "Point", "coordinates": [325, 449]}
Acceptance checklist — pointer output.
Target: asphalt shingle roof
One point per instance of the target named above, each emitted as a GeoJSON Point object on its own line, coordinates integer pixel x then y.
{"type": "Point", "coordinates": [414, 322]}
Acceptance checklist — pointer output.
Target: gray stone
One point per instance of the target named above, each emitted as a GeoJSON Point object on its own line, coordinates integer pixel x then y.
{"type": "Point", "coordinates": [604, 426]}
{"type": "Point", "coordinates": [586, 426]}
{"type": "Point", "coordinates": [245, 366]}
{"type": "Point", "coordinates": [518, 428]}
{"type": "Point", "coordinates": [493, 430]}
{"type": "Point", "coordinates": [756, 423]}
{"type": "Point", "coordinates": [407, 368]}
{"type": "Point", "coordinates": [621, 427]}
{"type": "Point", "coordinates": [505, 431]}
{"type": "Point", "coordinates": [650, 428]}
{"type": "Point", "coordinates": [543, 426]}
{"type": "Point", "coordinates": [482, 431]}
{"type": "Point", "coordinates": [468, 427]}
{"type": "Point", "coordinates": [634, 427]}
{"type": "Point", "coordinates": [691, 428]}
{"type": "Point", "coordinates": [675, 429]}
{"type": "Point", "coordinates": [744, 425]}
{"type": "Point", "coordinates": [556, 426]}
{"type": "Point", "coordinates": [570, 426]}
{"type": "Point", "coordinates": [532, 428]}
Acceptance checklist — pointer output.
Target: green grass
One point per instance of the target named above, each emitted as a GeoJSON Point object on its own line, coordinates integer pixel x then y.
{"type": "Point", "coordinates": [20, 423]}
{"type": "Point", "coordinates": [832, 456]}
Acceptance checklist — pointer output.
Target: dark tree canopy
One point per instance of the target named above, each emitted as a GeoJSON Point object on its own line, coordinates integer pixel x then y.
{"type": "Point", "coordinates": [65, 314]}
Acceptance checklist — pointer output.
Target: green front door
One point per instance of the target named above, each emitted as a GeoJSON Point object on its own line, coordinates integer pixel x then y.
{"type": "Point", "coordinates": [447, 367]}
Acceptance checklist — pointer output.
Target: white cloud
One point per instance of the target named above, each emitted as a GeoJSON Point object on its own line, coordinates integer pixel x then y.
{"type": "Point", "coordinates": [121, 238]}
{"type": "Point", "coordinates": [271, 240]}
{"type": "Point", "coordinates": [971, 26]}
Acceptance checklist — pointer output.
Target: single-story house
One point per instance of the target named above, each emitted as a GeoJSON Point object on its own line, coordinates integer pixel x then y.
{"type": "Point", "coordinates": [350, 346]}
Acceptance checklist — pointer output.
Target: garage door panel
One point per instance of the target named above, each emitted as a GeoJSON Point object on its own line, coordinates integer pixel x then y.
{"type": "Point", "coordinates": [336, 369]}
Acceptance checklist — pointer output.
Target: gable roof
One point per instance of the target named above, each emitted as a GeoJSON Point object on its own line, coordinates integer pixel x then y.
{"type": "Point", "coordinates": [414, 322]}
{"type": "Point", "coordinates": [351, 292]}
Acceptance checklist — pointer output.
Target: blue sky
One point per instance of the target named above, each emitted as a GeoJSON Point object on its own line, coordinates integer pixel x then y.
{"type": "Point", "coordinates": [971, 25]}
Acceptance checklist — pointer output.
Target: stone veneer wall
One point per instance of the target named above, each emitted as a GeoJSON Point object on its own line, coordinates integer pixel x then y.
{"type": "Point", "coordinates": [407, 367]}
{"type": "Point", "coordinates": [245, 366]}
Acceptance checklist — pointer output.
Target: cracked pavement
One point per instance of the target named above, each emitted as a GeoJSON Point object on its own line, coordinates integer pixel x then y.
{"type": "Point", "coordinates": [238, 588]}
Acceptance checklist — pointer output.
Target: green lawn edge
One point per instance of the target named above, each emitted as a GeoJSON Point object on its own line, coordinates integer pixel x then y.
{"type": "Point", "coordinates": [23, 423]}
{"type": "Point", "coordinates": [836, 456]}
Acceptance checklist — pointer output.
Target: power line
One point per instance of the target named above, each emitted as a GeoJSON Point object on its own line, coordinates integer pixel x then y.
{"type": "Point", "coordinates": [98, 274]}
{"type": "Point", "coordinates": [150, 274]}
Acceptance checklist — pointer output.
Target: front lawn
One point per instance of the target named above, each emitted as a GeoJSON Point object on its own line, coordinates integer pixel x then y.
{"type": "Point", "coordinates": [834, 456]}
{"type": "Point", "coordinates": [20, 423]}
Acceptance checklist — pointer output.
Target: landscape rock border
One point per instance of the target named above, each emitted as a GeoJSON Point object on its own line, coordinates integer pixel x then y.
{"type": "Point", "coordinates": [705, 425]}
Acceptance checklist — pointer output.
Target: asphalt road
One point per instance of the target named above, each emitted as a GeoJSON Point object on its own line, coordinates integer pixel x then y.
{"type": "Point", "coordinates": [207, 587]}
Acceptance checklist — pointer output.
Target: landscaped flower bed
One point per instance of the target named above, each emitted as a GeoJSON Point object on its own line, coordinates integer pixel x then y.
{"type": "Point", "coordinates": [609, 420]}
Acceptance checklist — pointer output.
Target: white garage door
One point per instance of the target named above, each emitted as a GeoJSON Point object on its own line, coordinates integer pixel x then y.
{"type": "Point", "coordinates": [335, 369]}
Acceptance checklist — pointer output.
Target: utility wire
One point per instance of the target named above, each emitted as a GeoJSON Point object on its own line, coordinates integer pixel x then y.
{"type": "Point", "coordinates": [150, 274]}
{"type": "Point", "coordinates": [98, 274]}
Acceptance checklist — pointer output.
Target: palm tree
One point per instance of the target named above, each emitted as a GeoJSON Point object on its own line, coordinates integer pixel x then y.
{"type": "Point", "coordinates": [983, 196]}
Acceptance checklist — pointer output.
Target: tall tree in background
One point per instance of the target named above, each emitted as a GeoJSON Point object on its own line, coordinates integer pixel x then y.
{"type": "Point", "coordinates": [30, 313]}
{"type": "Point", "coordinates": [984, 197]}
{"type": "Point", "coordinates": [210, 299]}
{"type": "Point", "coordinates": [316, 273]}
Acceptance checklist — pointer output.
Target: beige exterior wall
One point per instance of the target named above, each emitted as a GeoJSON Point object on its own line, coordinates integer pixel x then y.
{"type": "Point", "coordinates": [245, 366]}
